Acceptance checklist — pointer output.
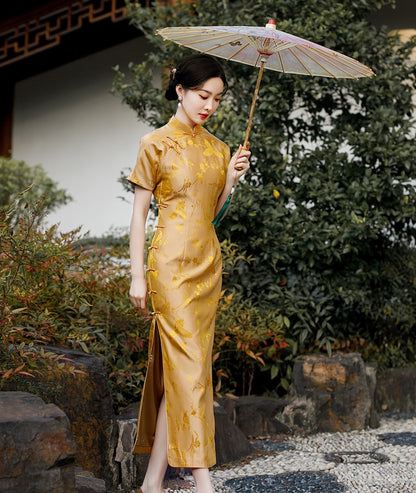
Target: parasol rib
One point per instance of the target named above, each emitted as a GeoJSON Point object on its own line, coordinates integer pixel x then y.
{"type": "Point", "coordinates": [280, 45]}
{"type": "Point", "coordinates": [238, 51]}
{"type": "Point", "coordinates": [320, 64]}
{"type": "Point", "coordinates": [352, 72]}
{"type": "Point", "coordinates": [281, 62]}
{"type": "Point", "coordinates": [257, 59]}
{"type": "Point", "coordinates": [300, 61]}
{"type": "Point", "coordinates": [341, 64]}
{"type": "Point", "coordinates": [349, 63]}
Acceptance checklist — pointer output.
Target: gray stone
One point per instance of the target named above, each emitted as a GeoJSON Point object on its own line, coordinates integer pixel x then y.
{"type": "Point", "coordinates": [85, 397]}
{"type": "Point", "coordinates": [299, 415]}
{"type": "Point", "coordinates": [37, 449]}
{"type": "Point", "coordinates": [230, 442]}
{"type": "Point", "coordinates": [86, 482]}
{"type": "Point", "coordinates": [131, 466]}
{"type": "Point", "coordinates": [338, 387]}
{"type": "Point", "coordinates": [256, 416]}
{"type": "Point", "coordinates": [396, 390]}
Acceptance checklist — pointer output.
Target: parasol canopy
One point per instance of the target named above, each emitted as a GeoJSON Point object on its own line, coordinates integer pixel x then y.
{"type": "Point", "coordinates": [280, 51]}
{"type": "Point", "coordinates": [267, 47]}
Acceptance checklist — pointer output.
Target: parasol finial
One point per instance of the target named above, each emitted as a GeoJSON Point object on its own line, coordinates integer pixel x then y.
{"type": "Point", "coordinates": [271, 24]}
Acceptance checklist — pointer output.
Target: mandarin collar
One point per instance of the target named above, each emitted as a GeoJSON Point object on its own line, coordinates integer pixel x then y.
{"type": "Point", "coordinates": [183, 127]}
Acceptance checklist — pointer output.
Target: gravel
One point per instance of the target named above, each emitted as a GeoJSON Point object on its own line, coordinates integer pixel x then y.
{"type": "Point", "coordinates": [381, 460]}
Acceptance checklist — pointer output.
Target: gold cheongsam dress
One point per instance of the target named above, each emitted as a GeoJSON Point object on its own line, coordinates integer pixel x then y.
{"type": "Point", "coordinates": [186, 170]}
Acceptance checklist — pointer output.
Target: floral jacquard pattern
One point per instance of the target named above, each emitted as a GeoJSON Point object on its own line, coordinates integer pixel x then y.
{"type": "Point", "coordinates": [186, 170]}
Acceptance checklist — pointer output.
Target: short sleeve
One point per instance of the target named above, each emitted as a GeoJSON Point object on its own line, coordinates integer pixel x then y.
{"type": "Point", "coordinates": [144, 173]}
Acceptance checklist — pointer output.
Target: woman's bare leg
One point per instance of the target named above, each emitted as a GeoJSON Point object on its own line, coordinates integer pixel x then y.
{"type": "Point", "coordinates": [202, 480]}
{"type": "Point", "coordinates": [158, 463]}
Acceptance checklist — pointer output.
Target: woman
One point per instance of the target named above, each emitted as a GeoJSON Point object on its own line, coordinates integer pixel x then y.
{"type": "Point", "coordinates": [190, 173]}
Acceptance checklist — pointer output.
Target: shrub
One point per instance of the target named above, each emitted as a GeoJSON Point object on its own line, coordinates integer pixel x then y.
{"type": "Point", "coordinates": [16, 176]}
{"type": "Point", "coordinates": [54, 291]}
{"type": "Point", "coordinates": [249, 342]}
{"type": "Point", "coordinates": [57, 289]}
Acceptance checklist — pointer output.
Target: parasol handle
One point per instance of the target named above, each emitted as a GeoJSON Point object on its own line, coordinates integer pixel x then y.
{"type": "Point", "coordinates": [225, 208]}
{"type": "Point", "coordinates": [253, 103]}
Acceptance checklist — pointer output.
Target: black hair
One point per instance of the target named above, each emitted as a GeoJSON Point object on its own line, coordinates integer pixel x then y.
{"type": "Point", "coordinates": [192, 72]}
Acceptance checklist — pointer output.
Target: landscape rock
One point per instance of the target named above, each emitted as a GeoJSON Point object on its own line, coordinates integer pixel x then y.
{"type": "Point", "coordinates": [337, 385]}
{"type": "Point", "coordinates": [299, 415]}
{"type": "Point", "coordinates": [37, 450]}
{"type": "Point", "coordinates": [396, 390]}
{"type": "Point", "coordinates": [230, 442]}
{"type": "Point", "coordinates": [86, 482]}
{"type": "Point", "coordinates": [131, 466]}
{"type": "Point", "coordinates": [255, 415]}
{"type": "Point", "coordinates": [86, 399]}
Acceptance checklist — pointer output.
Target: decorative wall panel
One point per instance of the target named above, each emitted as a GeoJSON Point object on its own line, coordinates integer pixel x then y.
{"type": "Point", "coordinates": [44, 32]}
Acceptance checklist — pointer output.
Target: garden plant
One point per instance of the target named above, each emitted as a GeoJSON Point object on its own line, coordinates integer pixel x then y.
{"type": "Point", "coordinates": [63, 289]}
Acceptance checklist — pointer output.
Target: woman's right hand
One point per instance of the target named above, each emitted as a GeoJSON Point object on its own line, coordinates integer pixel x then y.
{"type": "Point", "coordinates": [239, 164]}
{"type": "Point", "coordinates": [139, 294]}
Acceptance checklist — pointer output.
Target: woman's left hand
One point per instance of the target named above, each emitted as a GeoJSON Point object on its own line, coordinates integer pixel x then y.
{"type": "Point", "coordinates": [239, 164]}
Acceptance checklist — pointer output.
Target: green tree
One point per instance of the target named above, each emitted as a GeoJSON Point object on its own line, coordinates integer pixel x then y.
{"type": "Point", "coordinates": [16, 177]}
{"type": "Point", "coordinates": [328, 208]}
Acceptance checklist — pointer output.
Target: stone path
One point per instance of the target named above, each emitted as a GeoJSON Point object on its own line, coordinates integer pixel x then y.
{"type": "Point", "coordinates": [382, 460]}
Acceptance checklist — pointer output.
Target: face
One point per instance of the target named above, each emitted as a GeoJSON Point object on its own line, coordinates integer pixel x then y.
{"type": "Point", "coordinates": [199, 104]}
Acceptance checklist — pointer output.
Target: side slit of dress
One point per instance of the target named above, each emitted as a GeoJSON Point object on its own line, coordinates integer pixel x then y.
{"type": "Point", "coordinates": [152, 394]}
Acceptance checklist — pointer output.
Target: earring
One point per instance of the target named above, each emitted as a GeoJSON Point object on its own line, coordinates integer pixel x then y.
{"type": "Point", "coordinates": [180, 100]}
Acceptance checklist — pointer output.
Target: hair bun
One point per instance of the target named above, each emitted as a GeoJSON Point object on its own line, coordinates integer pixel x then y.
{"type": "Point", "coordinates": [192, 72]}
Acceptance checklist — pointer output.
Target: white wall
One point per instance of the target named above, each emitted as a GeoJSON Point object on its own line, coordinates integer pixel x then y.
{"type": "Point", "coordinates": [67, 120]}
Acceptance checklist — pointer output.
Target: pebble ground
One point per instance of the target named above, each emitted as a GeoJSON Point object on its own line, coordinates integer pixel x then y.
{"type": "Point", "coordinates": [381, 460]}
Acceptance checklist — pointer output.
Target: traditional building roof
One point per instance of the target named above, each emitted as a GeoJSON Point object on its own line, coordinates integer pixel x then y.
{"type": "Point", "coordinates": [39, 36]}
{"type": "Point", "coordinates": [55, 31]}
